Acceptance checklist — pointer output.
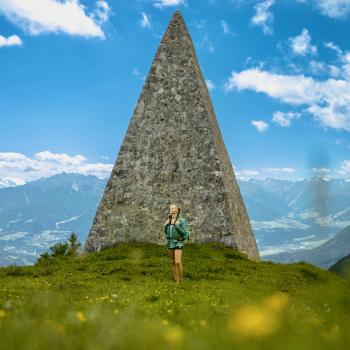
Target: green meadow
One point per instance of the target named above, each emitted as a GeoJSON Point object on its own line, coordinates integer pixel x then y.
{"type": "Point", "coordinates": [125, 298]}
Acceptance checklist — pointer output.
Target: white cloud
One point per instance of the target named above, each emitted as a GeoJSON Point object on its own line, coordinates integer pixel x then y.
{"type": "Point", "coordinates": [284, 118]}
{"type": "Point", "coordinates": [343, 59]}
{"type": "Point", "coordinates": [168, 3]}
{"type": "Point", "coordinates": [13, 181]}
{"type": "Point", "coordinates": [210, 84]}
{"type": "Point", "coordinates": [321, 170]}
{"type": "Point", "coordinates": [339, 68]}
{"type": "Point", "coordinates": [280, 170]}
{"type": "Point", "coordinates": [281, 223]}
{"type": "Point", "coordinates": [318, 67]}
{"type": "Point", "coordinates": [345, 168]}
{"type": "Point", "coordinates": [61, 158]}
{"type": "Point", "coordinates": [102, 12]}
{"type": "Point", "coordinates": [21, 169]}
{"type": "Point", "coordinates": [260, 125]}
{"type": "Point", "coordinates": [333, 8]}
{"type": "Point", "coordinates": [340, 141]}
{"type": "Point", "coordinates": [225, 27]}
{"type": "Point", "coordinates": [145, 22]}
{"type": "Point", "coordinates": [11, 156]}
{"type": "Point", "coordinates": [66, 16]}
{"type": "Point", "coordinates": [290, 89]}
{"type": "Point", "coordinates": [289, 173]}
{"type": "Point", "coordinates": [334, 47]}
{"type": "Point", "coordinates": [263, 16]}
{"type": "Point", "coordinates": [334, 71]}
{"type": "Point", "coordinates": [137, 74]}
{"type": "Point", "coordinates": [199, 24]}
{"type": "Point", "coordinates": [328, 100]}
{"type": "Point", "coordinates": [207, 43]}
{"type": "Point", "coordinates": [301, 44]}
{"type": "Point", "coordinates": [247, 172]}
{"type": "Point", "coordinates": [12, 40]}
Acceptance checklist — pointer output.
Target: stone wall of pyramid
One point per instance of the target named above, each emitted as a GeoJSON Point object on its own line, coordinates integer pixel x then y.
{"type": "Point", "coordinates": [173, 151]}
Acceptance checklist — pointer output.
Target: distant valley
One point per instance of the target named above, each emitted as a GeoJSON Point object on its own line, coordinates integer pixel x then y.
{"type": "Point", "coordinates": [286, 216]}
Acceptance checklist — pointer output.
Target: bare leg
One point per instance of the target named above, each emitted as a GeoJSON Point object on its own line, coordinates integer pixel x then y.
{"type": "Point", "coordinates": [178, 264]}
{"type": "Point", "coordinates": [172, 255]}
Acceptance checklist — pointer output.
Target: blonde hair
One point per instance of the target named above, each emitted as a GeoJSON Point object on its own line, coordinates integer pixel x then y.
{"type": "Point", "coordinates": [178, 208]}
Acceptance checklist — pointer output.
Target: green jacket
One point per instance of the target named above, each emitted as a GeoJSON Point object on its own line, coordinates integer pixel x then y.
{"type": "Point", "coordinates": [178, 235]}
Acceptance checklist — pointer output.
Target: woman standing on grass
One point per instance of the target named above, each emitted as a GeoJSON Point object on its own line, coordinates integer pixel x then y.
{"type": "Point", "coordinates": [176, 231]}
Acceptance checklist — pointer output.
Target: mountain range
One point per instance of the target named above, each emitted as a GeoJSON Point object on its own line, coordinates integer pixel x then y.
{"type": "Point", "coordinates": [287, 216]}
{"type": "Point", "coordinates": [43, 212]}
{"type": "Point", "coordinates": [342, 267]}
{"type": "Point", "coordinates": [324, 255]}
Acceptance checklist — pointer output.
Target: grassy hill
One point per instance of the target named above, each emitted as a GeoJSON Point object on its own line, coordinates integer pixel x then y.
{"type": "Point", "coordinates": [342, 267]}
{"type": "Point", "coordinates": [124, 297]}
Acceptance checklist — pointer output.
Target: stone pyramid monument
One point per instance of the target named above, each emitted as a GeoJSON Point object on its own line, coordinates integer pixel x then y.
{"type": "Point", "coordinates": [173, 151]}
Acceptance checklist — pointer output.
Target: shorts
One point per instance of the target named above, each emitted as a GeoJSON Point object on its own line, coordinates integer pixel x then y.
{"type": "Point", "coordinates": [176, 248]}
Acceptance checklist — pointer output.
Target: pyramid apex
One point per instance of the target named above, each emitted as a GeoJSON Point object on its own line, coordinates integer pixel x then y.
{"type": "Point", "coordinates": [176, 28]}
{"type": "Point", "coordinates": [177, 15]}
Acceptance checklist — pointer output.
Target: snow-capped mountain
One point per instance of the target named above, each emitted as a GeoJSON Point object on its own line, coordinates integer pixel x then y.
{"type": "Point", "coordinates": [290, 215]}
{"type": "Point", "coordinates": [9, 182]}
{"type": "Point", "coordinates": [40, 213]}
{"type": "Point", "coordinates": [324, 255]}
{"type": "Point", "coordinates": [286, 216]}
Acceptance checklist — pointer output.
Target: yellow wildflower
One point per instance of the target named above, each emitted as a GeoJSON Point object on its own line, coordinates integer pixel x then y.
{"type": "Point", "coordinates": [173, 335]}
{"type": "Point", "coordinates": [2, 313]}
{"type": "Point", "coordinates": [203, 323]}
{"type": "Point", "coordinates": [253, 320]}
{"type": "Point", "coordinates": [80, 316]}
{"type": "Point", "coordinates": [259, 320]}
{"type": "Point", "coordinates": [277, 301]}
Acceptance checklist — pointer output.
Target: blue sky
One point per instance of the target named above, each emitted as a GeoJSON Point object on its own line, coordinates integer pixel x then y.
{"type": "Point", "coordinates": [278, 72]}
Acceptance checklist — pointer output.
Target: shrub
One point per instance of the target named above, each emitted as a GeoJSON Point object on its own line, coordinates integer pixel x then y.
{"type": "Point", "coordinates": [68, 248]}
{"type": "Point", "coordinates": [74, 245]}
